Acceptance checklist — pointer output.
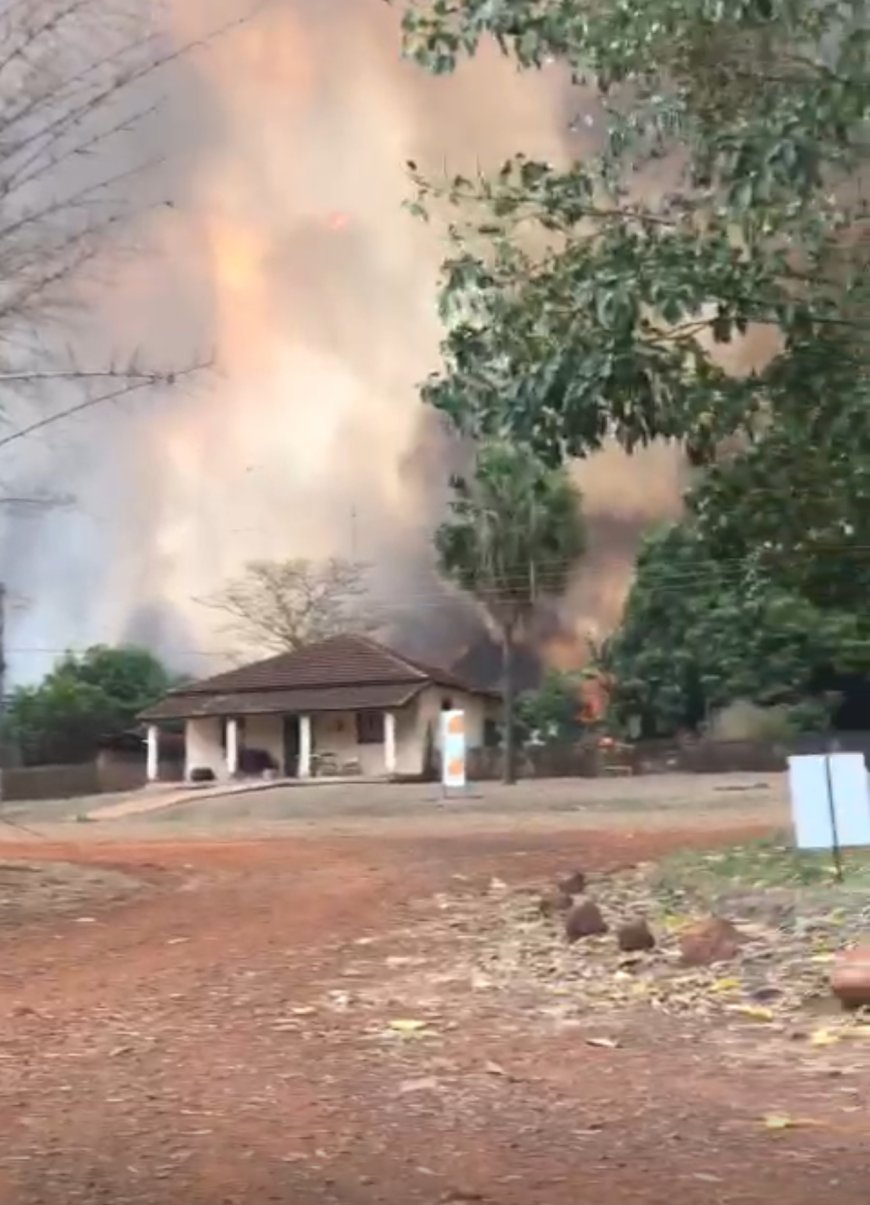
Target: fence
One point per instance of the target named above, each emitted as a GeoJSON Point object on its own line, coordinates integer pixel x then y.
{"type": "Point", "coordinates": [111, 771]}
{"type": "Point", "coordinates": [589, 759]}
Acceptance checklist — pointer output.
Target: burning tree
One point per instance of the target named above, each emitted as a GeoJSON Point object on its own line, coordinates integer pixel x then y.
{"type": "Point", "coordinates": [513, 538]}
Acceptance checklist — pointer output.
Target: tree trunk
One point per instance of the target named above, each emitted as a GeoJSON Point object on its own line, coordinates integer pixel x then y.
{"type": "Point", "coordinates": [509, 773]}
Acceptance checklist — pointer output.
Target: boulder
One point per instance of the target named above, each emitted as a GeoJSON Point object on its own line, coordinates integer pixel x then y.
{"type": "Point", "coordinates": [573, 883]}
{"type": "Point", "coordinates": [554, 903]}
{"type": "Point", "coordinates": [635, 935]}
{"type": "Point", "coordinates": [711, 941]}
{"type": "Point", "coordinates": [850, 976]}
{"type": "Point", "coordinates": [584, 920]}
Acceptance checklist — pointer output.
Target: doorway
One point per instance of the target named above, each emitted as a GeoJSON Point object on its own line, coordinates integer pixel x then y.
{"type": "Point", "coordinates": [291, 746]}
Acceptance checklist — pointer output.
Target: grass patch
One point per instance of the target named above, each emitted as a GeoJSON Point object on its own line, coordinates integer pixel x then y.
{"type": "Point", "coordinates": [759, 865]}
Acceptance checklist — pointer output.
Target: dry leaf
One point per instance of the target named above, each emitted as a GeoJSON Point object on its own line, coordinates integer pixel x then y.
{"type": "Point", "coordinates": [778, 1121]}
{"type": "Point", "coordinates": [427, 1084]}
{"type": "Point", "coordinates": [755, 1012]}
{"type": "Point", "coordinates": [407, 1025]}
{"type": "Point", "coordinates": [784, 1121]}
{"type": "Point", "coordinates": [730, 984]}
{"type": "Point", "coordinates": [824, 1037]}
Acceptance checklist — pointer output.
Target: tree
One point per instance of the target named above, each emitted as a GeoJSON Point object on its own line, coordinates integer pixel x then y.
{"type": "Point", "coordinates": [514, 535]}
{"type": "Point", "coordinates": [552, 712]}
{"type": "Point", "coordinates": [83, 700]}
{"type": "Point", "coordinates": [796, 500]}
{"type": "Point", "coordinates": [282, 605]}
{"type": "Point", "coordinates": [74, 88]}
{"type": "Point", "coordinates": [699, 634]}
{"type": "Point", "coordinates": [594, 300]}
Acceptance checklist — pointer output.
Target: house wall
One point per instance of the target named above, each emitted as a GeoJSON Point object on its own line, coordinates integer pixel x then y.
{"type": "Point", "coordinates": [204, 747]}
{"type": "Point", "coordinates": [266, 732]}
{"type": "Point", "coordinates": [427, 715]}
{"type": "Point", "coordinates": [335, 732]}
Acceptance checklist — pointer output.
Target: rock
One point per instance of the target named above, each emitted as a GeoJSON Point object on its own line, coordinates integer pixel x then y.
{"type": "Point", "coordinates": [554, 903]}
{"type": "Point", "coordinates": [573, 884]}
{"type": "Point", "coordinates": [711, 941]}
{"type": "Point", "coordinates": [850, 976]}
{"type": "Point", "coordinates": [635, 935]}
{"type": "Point", "coordinates": [584, 920]}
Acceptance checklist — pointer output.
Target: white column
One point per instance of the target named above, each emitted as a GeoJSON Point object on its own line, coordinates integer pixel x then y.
{"type": "Point", "coordinates": [390, 742]}
{"type": "Point", "coordinates": [152, 761]}
{"type": "Point", "coordinates": [232, 746]}
{"type": "Point", "coordinates": [304, 770]}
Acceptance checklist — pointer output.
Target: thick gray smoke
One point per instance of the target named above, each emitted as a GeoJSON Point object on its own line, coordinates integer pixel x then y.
{"type": "Point", "coordinates": [286, 250]}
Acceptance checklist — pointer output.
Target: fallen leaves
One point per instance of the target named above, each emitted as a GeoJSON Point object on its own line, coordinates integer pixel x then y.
{"type": "Point", "coordinates": [753, 1012]}
{"type": "Point", "coordinates": [410, 1027]}
{"type": "Point", "coordinates": [824, 1037]}
{"type": "Point", "coordinates": [729, 984]}
{"type": "Point", "coordinates": [784, 1121]}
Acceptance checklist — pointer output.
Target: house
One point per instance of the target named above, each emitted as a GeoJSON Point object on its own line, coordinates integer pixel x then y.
{"type": "Point", "coordinates": [346, 705]}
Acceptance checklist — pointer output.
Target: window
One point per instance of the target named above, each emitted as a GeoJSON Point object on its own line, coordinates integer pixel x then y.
{"type": "Point", "coordinates": [369, 727]}
{"type": "Point", "coordinates": [491, 734]}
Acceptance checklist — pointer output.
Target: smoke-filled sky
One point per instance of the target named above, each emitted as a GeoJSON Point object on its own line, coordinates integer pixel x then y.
{"type": "Point", "coordinates": [286, 252]}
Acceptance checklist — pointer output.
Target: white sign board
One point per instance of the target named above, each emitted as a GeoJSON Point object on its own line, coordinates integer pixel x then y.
{"type": "Point", "coordinates": [453, 749]}
{"type": "Point", "coordinates": [830, 800]}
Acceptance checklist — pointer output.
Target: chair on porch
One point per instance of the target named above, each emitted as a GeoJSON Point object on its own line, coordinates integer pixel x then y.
{"type": "Point", "coordinates": [324, 765]}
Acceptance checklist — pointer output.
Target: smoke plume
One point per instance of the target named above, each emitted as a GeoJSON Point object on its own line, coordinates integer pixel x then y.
{"type": "Point", "coordinates": [285, 249]}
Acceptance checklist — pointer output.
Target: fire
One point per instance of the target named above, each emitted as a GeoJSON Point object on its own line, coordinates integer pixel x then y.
{"type": "Point", "coordinates": [237, 253]}
{"type": "Point", "coordinates": [291, 259]}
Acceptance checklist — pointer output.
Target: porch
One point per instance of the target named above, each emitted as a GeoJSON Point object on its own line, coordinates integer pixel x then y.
{"type": "Point", "coordinates": [368, 744]}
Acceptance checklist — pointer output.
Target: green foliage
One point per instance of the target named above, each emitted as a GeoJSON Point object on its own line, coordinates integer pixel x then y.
{"type": "Point", "coordinates": [767, 863]}
{"type": "Point", "coordinates": [83, 699]}
{"type": "Point", "coordinates": [514, 535]}
{"type": "Point", "coordinates": [797, 499]}
{"type": "Point", "coordinates": [552, 713]}
{"type": "Point", "coordinates": [699, 633]}
{"type": "Point", "coordinates": [593, 299]}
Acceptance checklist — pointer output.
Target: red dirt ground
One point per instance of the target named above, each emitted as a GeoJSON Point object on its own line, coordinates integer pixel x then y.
{"type": "Point", "coordinates": [153, 1055]}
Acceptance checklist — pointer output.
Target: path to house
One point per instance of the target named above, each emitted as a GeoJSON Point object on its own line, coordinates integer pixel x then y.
{"type": "Point", "coordinates": [284, 807]}
{"type": "Point", "coordinates": [217, 1027]}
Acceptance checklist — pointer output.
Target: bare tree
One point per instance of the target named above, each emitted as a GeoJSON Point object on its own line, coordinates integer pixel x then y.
{"type": "Point", "coordinates": [282, 605]}
{"type": "Point", "coordinates": [74, 87]}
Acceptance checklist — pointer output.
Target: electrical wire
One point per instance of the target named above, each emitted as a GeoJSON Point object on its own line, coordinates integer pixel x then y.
{"type": "Point", "coordinates": [667, 582]}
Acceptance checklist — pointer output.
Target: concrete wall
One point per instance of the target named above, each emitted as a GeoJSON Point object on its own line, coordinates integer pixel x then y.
{"type": "Point", "coordinates": [412, 739]}
{"type": "Point", "coordinates": [120, 770]}
{"type": "Point", "coordinates": [204, 746]}
{"type": "Point", "coordinates": [266, 732]}
{"type": "Point", "coordinates": [335, 732]}
{"type": "Point", "coordinates": [50, 782]}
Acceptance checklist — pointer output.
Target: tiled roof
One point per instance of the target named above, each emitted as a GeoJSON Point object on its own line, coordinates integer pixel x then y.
{"type": "Point", "coordinates": [300, 701]}
{"type": "Point", "coordinates": [350, 665]}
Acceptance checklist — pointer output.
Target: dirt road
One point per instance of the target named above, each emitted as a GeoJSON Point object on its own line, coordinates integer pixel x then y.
{"type": "Point", "coordinates": [225, 1034]}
